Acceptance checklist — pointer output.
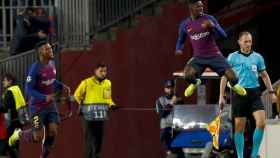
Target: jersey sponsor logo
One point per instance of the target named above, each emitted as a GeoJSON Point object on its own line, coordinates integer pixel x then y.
{"type": "Point", "coordinates": [199, 36]}
{"type": "Point", "coordinates": [48, 82]}
{"type": "Point", "coordinates": [28, 79]}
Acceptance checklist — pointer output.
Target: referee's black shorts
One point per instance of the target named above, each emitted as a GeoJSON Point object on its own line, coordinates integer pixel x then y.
{"type": "Point", "coordinates": [245, 106]}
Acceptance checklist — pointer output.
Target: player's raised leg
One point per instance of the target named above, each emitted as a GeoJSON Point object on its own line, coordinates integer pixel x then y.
{"type": "Point", "coordinates": [191, 71]}
{"type": "Point", "coordinates": [233, 82]}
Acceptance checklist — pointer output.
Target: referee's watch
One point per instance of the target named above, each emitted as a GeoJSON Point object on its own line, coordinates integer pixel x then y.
{"type": "Point", "coordinates": [272, 92]}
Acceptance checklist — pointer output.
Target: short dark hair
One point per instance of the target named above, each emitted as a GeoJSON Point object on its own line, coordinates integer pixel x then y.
{"type": "Point", "coordinates": [28, 10]}
{"type": "Point", "coordinates": [40, 44]}
{"type": "Point", "coordinates": [100, 65]}
{"type": "Point", "coordinates": [243, 33]}
{"type": "Point", "coordinates": [10, 77]}
{"type": "Point", "coordinates": [169, 83]}
{"type": "Point", "coordinates": [192, 1]}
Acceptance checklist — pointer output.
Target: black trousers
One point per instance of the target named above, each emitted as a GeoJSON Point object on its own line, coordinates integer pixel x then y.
{"type": "Point", "coordinates": [93, 134]}
{"type": "Point", "coordinates": [6, 150]}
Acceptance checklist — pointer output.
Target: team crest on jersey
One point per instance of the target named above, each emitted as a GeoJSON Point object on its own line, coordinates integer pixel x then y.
{"type": "Point", "coordinates": [189, 29]}
{"type": "Point", "coordinates": [254, 68]}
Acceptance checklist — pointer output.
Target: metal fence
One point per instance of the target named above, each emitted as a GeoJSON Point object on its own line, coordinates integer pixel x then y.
{"type": "Point", "coordinates": [78, 21]}
{"type": "Point", "coordinates": [19, 65]}
{"type": "Point", "coordinates": [267, 100]}
{"type": "Point", "coordinates": [9, 9]}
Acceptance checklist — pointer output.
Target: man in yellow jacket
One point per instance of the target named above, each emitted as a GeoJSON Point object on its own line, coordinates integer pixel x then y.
{"type": "Point", "coordinates": [15, 109]}
{"type": "Point", "coordinates": [94, 96]}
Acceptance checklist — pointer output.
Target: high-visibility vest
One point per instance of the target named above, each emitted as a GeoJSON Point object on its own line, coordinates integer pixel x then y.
{"type": "Point", "coordinates": [18, 97]}
{"type": "Point", "coordinates": [91, 91]}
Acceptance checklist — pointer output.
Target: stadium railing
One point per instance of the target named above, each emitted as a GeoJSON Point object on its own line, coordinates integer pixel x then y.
{"type": "Point", "coordinates": [79, 21]}
{"type": "Point", "coordinates": [267, 100]}
{"type": "Point", "coordinates": [9, 10]}
{"type": "Point", "coordinates": [18, 65]}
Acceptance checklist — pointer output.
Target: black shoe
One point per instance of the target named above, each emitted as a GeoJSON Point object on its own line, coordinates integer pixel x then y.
{"type": "Point", "coordinates": [257, 156]}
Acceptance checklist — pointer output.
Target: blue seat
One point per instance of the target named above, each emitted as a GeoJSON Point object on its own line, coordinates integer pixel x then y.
{"type": "Point", "coordinates": [198, 138]}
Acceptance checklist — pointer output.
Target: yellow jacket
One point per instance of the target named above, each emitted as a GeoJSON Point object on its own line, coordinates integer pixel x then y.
{"type": "Point", "coordinates": [18, 97]}
{"type": "Point", "coordinates": [91, 91]}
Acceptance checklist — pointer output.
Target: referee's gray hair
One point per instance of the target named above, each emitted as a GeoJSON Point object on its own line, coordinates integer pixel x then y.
{"type": "Point", "coordinates": [243, 33]}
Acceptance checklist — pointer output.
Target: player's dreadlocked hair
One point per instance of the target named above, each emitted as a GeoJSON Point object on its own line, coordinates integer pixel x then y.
{"type": "Point", "coordinates": [40, 44]}
{"type": "Point", "coordinates": [192, 1]}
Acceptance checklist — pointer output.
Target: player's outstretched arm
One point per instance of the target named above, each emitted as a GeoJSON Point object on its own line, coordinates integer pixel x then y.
{"type": "Point", "coordinates": [181, 40]}
{"type": "Point", "coordinates": [266, 79]}
{"type": "Point", "coordinates": [223, 83]}
{"type": "Point", "coordinates": [217, 27]}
